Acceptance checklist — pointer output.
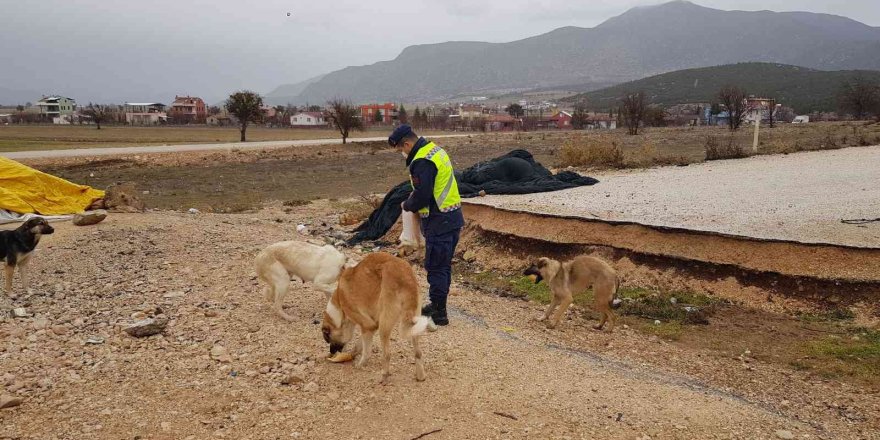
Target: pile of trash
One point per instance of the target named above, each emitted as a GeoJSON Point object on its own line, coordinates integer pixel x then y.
{"type": "Point", "coordinates": [516, 172]}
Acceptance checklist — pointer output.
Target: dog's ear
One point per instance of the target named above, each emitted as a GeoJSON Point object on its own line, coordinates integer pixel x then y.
{"type": "Point", "coordinates": [541, 262]}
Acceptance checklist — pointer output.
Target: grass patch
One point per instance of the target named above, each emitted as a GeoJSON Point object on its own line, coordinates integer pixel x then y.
{"type": "Point", "coordinates": [855, 355]}
{"type": "Point", "coordinates": [667, 330]}
{"type": "Point", "coordinates": [675, 310]}
{"type": "Point", "coordinates": [836, 314]}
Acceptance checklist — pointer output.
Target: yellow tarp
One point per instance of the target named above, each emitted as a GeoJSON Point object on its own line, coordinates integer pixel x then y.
{"type": "Point", "coordinates": [27, 191]}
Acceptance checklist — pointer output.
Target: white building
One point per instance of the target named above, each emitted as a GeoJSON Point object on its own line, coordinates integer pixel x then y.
{"type": "Point", "coordinates": [58, 109]}
{"type": "Point", "coordinates": [307, 119]}
{"type": "Point", "coordinates": [145, 113]}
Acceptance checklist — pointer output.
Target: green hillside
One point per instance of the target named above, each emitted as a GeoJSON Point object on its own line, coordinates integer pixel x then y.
{"type": "Point", "coordinates": [803, 89]}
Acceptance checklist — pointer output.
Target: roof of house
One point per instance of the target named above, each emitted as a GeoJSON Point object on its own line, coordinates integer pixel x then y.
{"type": "Point", "coordinates": [186, 99]}
{"type": "Point", "coordinates": [312, 114]}
{"type": "Point", "coordinates": [52, 99]}
{"type": "Point", "coordinates": [501, 118]}
{"type": "Point", "coordinates": [559, 116]}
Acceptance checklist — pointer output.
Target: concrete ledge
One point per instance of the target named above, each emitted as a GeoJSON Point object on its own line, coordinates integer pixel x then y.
{"type": "Point", "coordinates": [790, 258]}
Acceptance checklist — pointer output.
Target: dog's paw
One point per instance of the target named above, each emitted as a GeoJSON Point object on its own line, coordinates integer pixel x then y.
{"type": "Point", "coordinates": [597, 327]}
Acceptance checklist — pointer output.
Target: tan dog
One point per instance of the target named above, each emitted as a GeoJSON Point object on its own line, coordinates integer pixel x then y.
{"type": "Point", "coordinates": [320, 265]}
{"type": "Point", "coordinates": [377, 294]}
{"type": "Point", "coordinates": [566, 279]}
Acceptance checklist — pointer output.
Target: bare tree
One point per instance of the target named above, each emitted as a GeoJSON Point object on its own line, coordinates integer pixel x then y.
{"type": "Point", "coordinates": [247, 107]}
{"type": "Point", "coordinates": [99, 113]}
{"type": "Point", "coordinates": [632, 111]}
{"type": "Point", "coordinates": [859, 97]}
{"type": "Point", "coordinates": [655, 116]}
{"type": "Point", "coordinates": [344, 116]}
{"type": "Point", "coordinates": [733, 100]}
{"type": "Point", "coordinates": [771, 112]}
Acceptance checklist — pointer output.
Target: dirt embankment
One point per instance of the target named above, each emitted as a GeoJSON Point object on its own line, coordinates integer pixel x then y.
{"type": "Point", "coordinates": [779, 276]}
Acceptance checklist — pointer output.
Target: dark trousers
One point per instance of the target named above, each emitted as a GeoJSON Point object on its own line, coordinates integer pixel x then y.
{"type": "Point", "coordinates": [438, 262]}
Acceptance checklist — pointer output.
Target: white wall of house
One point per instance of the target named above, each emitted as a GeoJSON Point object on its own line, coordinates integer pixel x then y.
{"type": "Point", "coordinates": [306, 119]}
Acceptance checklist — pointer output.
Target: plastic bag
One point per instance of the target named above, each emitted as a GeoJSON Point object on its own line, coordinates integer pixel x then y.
{"type": "Point", "coordinates": [411, 238]}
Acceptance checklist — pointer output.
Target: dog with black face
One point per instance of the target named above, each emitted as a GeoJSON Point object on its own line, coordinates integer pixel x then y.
{"type": "Point", "coordinates": [566, 279]}
{"type": "Point", "coordinates": [16, 247]}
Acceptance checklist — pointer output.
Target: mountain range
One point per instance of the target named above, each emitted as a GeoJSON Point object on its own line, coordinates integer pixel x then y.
{"type": "Point", "coordinates": [805, 90]}
{"type": "Point", "coordinates": [641, 42]}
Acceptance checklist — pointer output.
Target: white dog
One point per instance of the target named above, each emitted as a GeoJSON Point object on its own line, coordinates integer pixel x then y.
{"type": "Point", "coordinates": [319, 265]}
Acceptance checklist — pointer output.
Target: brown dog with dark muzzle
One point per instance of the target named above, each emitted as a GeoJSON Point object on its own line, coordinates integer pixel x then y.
{"type": "Point", "coordinates": [566, 279]}
{"type": "Point", "coordinates": [380, 293]}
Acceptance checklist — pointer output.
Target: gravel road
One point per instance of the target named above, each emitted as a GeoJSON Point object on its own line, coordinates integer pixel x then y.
{"type": "Point", "coordinates": [799, 197]}
{"type": "Point", "coordinates": [492, 374]}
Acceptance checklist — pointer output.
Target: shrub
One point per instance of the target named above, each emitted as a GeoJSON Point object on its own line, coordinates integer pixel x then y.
{"type": "Point", "coordinates": [716, 151]}
{"type": "Point", "coordinates": [591, 151]}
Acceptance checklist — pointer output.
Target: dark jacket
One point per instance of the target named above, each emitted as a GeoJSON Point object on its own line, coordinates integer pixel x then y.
{"type": "Point", "coordinates": [423, 173]}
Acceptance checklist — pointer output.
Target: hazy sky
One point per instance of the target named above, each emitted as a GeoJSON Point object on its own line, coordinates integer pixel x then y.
{"type": "Point", "coordinates": [121, 50]}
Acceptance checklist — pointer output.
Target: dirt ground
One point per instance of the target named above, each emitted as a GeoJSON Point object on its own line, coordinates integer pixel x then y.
{"type": "Point", "coordinates": [240, 180]}
{"type": "Point", "coordinates": [493, 373]}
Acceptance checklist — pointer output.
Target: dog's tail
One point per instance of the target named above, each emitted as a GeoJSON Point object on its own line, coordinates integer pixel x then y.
{"type": "Point", "coordinates": [420, 324]}
{"type": "Point", "coordinates": [615, 300]}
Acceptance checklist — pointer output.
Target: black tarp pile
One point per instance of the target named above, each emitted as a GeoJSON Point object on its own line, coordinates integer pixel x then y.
{"type": "Point", "coordinates": [514, 173]}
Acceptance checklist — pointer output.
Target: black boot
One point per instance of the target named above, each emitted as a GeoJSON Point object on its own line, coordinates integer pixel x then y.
{"type": "Point", "coordinates": [428, 310]}
{"type": "Point", "coordinates": [439, 317]}
{"type": "Point", "coordinates": [437, 313]}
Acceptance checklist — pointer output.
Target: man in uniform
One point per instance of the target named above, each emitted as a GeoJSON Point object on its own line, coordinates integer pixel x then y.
{"type": "Point", "coordinates": [435, 197]}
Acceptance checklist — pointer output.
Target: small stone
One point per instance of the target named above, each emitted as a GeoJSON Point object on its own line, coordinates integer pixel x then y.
{"type": "Point", "coordinates": [95, 340]}
{"type": "Point", "coordinates": [41, 323]}
{"type": "Point", "coordinates": [193, 211]}
{"type": "Point", "coordinates": [89, 217]}
{"type": "Point", "coordinates": [482, 193]}
{"type": "Point", "coordinates": [784, 434]}
{"type": "Point", "coordinates": [20, 312]}
{"type": "Point", "coordinates": [173, 295]}
{"type": "Point", "coordinates": [469, 255]}
{"type": "Point", "coordinates": [147, 327]}
{"type": "Point", "coordinates": [137, 316]}
{"type": "Point", "coordinates": [657, 322]}
{"type": "Point", "coordinates": [265, 369]}
{"type": "Point", "coordinates": [9, 401]}
{"type": "Point", "coordinates": [295, 377]}
{"type": "Point", "coordinates": [59, 329]}
{"type": "Point", "coordinates": [219, 354]}
{"type": "Point", "coordinates": [311, 387]}
{"type": "Point", "coordinates": [250, 373]}
{"type": "Point", "coordinates": [210, 313]}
